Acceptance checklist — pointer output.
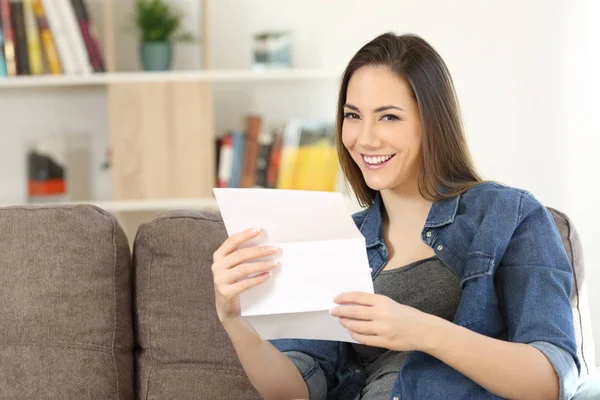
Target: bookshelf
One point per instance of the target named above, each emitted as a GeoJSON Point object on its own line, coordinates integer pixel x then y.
{"type": "Point", "coordinates": [168, 118]}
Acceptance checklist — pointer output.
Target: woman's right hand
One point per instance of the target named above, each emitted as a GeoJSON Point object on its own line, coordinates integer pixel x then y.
{"type": "Point", "coordinates": [231, 268]}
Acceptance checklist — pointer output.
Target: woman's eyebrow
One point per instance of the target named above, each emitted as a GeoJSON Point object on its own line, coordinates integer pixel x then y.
{"type": "Point", "coordinates": [378, 109]}
{"type": "Point", "coordinates": [385, 108]}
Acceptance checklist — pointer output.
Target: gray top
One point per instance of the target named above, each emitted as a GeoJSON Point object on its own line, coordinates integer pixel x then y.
{"type": "Point", "coordinates": [427, 285]}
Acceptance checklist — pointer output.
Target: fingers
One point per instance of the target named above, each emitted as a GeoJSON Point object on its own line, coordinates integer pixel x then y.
{"type": "Point", "coordinates": [362, 298]}
{"type": "Point", "coordinates": [229, 276]}
{"type": "Point", "coordinates": [362, 327]}
{"type": "Point", "coordinates": [242, 256]}
{"type": "Point", "coordinates": [234, 241]}
{"type": "Point", "coordinates": [231, 291]}
{"type": "Point", "coordinates": [353, 312]}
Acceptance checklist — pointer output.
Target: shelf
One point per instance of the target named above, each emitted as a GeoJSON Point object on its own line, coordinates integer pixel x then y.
{"type": "Point", "coordinates": [102, 79]}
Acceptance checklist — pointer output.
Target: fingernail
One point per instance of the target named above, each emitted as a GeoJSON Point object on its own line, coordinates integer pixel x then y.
{"type": "Point", "coordinates": [255, 229]}
{"type": "Point", "coordinates": [331, 310]}
{"type": "Point", "coordinates": [272, 249]}
{"type": "Point", "coordinates": [270, 263]}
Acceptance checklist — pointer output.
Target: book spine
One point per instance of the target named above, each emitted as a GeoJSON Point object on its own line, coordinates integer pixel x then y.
{"type": "Point", "coordinates": [239, 140]}
{"type": "Point", "coordinates": [253, 124]}
{"type": "Point", "coordinates": [262, 160]}
{"type": "Point", "coordinates": [20, 39]}
{"type": "Point", "coordinates": [225, 162]}
{"type": "Point", "coordinates": [274, 160]}
{"type": "Point", "coordinates": [2, 58]}
{"type": "Point", "coordinates": [61, 39]}
{"type": "Point", "coordinates": [36, 62]}
{"type": "Point", "coordinates": [9, 39]}
{"type": "Point", "coordinates": [48, 44]}
{"type": "Point", "coordinates": [91, 43]}
{"type": "Point", "coordinates": [76, 42]}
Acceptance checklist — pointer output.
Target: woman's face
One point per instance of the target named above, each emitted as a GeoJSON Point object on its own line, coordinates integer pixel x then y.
{"type": "Point", "coordinates": [382, 128]}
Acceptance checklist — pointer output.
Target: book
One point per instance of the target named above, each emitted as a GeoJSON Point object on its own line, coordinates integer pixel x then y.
{"type": "Point", "coordinates": [9, 38]}
{"type": "Point", "coordinates": [274, 160]}
{"type": "Point", "coordinates": [73, 34]}
{"type": "Point", "coordinates": [89, 37]}
{"type": "Point", "coordinates": [262, 160]}
{"type": "Point", "coordinates": [48, 46]}
{"type": "Point", "coordinates": [254, 125]}
{"type": "Point", "coordinates": [225, 161]}
{"type": "Point", "coordinates": [34, 49]}
{"type": "Point", "coordinates": [239, 142]}
{"type": "Point", "coordinates": [2, 59]}
{"type": "Point", "coordinates": [61, 37]}
{"type": "Point", "coordinates": [18, 21]}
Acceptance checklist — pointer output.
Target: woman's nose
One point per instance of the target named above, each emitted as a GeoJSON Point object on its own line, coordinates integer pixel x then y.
{"type": "Point", "coordinates": [368, 137]}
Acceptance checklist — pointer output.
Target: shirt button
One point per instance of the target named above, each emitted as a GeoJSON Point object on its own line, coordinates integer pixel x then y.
{"type": "Point", "coordinates": [371, 270]}
{"type": "Point", "coordinates": [396, 398]}
{"type": "Point", "coordinates": [440, 247]}
{"type": "Point", "coordinates": [428, 233]}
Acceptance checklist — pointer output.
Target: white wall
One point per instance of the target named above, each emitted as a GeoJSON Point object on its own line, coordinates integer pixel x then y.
{"type": "Point", "coordinates": [525, 73]}
{"type": "Point", "coordinates": [581, 136]}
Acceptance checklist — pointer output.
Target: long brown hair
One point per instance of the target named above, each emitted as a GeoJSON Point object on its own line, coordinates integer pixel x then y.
{"type": "Point", "coordinates": [447, 168]}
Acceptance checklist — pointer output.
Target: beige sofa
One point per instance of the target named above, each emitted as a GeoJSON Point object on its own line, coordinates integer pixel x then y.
{"type": "Point", "coordinates": [82, 319]}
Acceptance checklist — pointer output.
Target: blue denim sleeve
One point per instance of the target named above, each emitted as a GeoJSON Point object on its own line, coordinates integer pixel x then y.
{"type": "Point", "coordinates": [565, 367]}
{"type": "Point", "coordinates": [535, 283]}
{"type": "Point", "coordinates": [312, 374]}
{"type": "Point", "coordinates": [315, 359]}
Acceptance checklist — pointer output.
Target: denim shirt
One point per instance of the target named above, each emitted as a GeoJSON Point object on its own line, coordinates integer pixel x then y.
{"type": "Point", "coordinates": [516, 284]}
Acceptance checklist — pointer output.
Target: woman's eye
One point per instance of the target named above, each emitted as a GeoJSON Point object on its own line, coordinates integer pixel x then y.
{"type": "Point", "coordinates": [351, 115]}
{"type": "Point", "coordinates": [389, 117]}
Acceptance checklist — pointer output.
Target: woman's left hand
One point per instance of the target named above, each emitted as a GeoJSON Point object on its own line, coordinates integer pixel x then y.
{"type": "Point", "coordinates": [379, 321]}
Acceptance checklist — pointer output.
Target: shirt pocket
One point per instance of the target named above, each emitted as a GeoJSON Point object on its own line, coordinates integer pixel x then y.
{"type": "Point", "coordinates": [477, 285]}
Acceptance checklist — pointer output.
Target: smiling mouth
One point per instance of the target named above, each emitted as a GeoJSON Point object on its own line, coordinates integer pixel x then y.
{"type": "Point", "coordinates": [376, 160]}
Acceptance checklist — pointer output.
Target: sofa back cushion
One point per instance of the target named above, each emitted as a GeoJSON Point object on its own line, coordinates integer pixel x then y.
{"type": "Point", "coordinates": [184, 353]}
{"type": "Point", "coordinates": [65, 305]}
{"type": "Point", "coordinates": [579, 296]}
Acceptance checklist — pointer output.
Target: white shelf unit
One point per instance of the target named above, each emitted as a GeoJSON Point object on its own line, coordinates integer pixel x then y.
{"type": "Point", "coordinates": [103, 79]}
{"type": "Point", "coordinates": [195, 96]}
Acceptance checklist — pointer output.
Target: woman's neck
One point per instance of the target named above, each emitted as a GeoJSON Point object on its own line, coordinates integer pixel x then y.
{"type": "Point", "coordinates": [405, 207]}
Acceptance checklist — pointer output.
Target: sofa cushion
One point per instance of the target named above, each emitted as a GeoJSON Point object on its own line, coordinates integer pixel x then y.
{"type": "Point", "coordinates": [579, 297]}
{"type": "Point", "coordinates": [65, 305]}
{"type": "Point", "coordinates": [184, 353]}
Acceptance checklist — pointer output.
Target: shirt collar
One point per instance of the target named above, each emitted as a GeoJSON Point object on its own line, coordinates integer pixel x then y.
{"type": "Point", "coordinates": [442, 213]}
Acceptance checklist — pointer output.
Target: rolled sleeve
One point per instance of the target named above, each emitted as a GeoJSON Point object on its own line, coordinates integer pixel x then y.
{"type": "Point", "coordinates": [316, 360]}
{"type": "Point", "coordinates": [564, 365]}
{"type": "Point", "coordinates": [312, 374]}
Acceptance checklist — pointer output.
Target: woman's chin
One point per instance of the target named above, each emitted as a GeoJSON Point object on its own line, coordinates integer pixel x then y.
{"type": "Point", "coordinates": [378, 184]}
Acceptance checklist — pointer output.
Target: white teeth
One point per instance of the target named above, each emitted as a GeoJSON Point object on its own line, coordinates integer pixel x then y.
{"type": "Point", "coordinates": [377, 160]}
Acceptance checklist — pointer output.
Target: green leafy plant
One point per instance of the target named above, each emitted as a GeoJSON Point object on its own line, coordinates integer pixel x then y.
{"type": "Point", "coordinates": [159, 22]}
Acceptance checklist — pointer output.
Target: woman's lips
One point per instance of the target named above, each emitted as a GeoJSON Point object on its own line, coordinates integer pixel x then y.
{"type": "Point", "coordinates": [376, 161]}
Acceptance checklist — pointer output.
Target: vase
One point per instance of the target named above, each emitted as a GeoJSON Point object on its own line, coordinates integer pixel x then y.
{"type": "Point", "coordinates": [156, 56]}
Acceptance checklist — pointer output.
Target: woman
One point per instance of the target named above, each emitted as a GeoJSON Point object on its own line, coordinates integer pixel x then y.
{"type": "Point", "coordinates": [471, 279]}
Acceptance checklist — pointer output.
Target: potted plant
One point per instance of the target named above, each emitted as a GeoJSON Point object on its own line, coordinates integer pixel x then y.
{"type": "Point", "coordinates": [159, 25]}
